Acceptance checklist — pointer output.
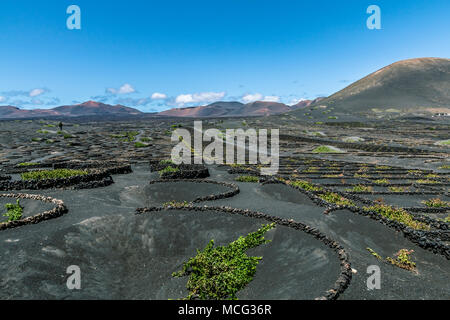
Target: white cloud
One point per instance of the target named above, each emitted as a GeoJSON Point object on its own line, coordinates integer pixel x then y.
{"type": "Point", "coordinates": [36, 92]}
{"type": "Point", "coordinates": [2, 99]}
{"type": "Point", "coordinates": [252, 97]}
{"type": "Point", "coordinates": [272, 98]}
{"type": "Point", "coordinates": [199, 97]}
{"type": "Point", "coordinates": [158, 96]}
{"type": "Point", "coordinates": [125, 89]}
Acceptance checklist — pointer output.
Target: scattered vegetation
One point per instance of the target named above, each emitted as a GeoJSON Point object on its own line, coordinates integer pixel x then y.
{"type": "Point", "coordinates": [332, 175]}
{"type": "Point", "coordinates": [52, 174]}
{"type": "Point", "coordinates": [140, 145]}
{"type": "Point", "coordinates": [175, 204]}
{"type": "Point", "coordinates": [397, 214]}
{"type": "Point", "coordinates": [168, 169]}
{"type": "Point", "coordinates": [403, 260]}
{"type": "Point", "coordinates": [381, 181]}
{"type": "Point", "coordinates": [166, 161]}
{"type": "Point", "coordinates": [326, 149]}
{"type": "Point", "coordinates": [336, 199]}
{"type": "Point", "coordinates": [436, 203]}
{"type": "Point", "coordinates": [218, 273]}
{"type": "Point", "coordinates": [445, 166]}
{"type": "Point", "coordinates": [247, 179]}
{"type": "Point", "coordinates": [305, 185]}
{"type": "Point", "coordinates": [27, 164]}
{"type": "Point", "coordinates": [426, 181]}
{"type": "Point", "coordinates": [398, 189]}
{"type": "Point", "coordinates": [443, 142]}
{"type": "Point", "coordinates": [360, 188]}
{"type": "Point", "coordinates": [376, 255]}
{"type": "Point", "coordinates": [13, 211]}
{"type": "Point", "coordinates": [67, 136]}
{"type": "Point", "coordinates": [128, 136]}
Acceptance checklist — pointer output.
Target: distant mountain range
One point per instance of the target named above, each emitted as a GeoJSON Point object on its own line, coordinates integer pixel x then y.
{"type": "Point", "coordinates": [233, 109]}
{"type": "Point", "coordinates": [92, 108]}
{"type": "Point", "coordinates": [89, 108]}
{"type": "Point", "coordinates": [407, 85]}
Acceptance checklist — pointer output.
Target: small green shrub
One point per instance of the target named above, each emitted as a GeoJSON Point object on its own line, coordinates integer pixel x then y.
{"type": "Point", "coordinates": [436, 203]}
{"type": "Point", "coordinates": [336, 199]}
{"type": "Point", "coordinates": [398, 189]}
{"type": "Point", "coordinates": [305, 185]}
{"type": "Point", "coordinates": [168, 169]}
{"type": "Point", "coordinates": [376, 255]}
{"type": "Point", "coordinates": [403, 260]}
{"type": "Point", "coordinates": [443, 142]}
{"type": "Point", "coordinates": [128, 136]}
{"type": "Point", "coordinates": [140, 145]}
{"type": "Point", "coordinates": [426, 181]}
{"type": "Point", "coordinates": [326, 149]}
{"type": "Point", "coordinates": [218, 273]}
{"type": "Point", "coordinates": [381, 181]}
{"type": "Point", "coordinates": [13, 211]}
{"type": "Point", "coordinates": [27, 164]}
{"type": "Point", "coordinates": [166, 161]}
{"type": "Point", "coordinates": [360, 188]}
{"type": "Point", "coordinates": [247, 179]}
{"type": "Point", "coordinates": [52, 174]}
{"type": "Point", "coordinates": [397, 214]}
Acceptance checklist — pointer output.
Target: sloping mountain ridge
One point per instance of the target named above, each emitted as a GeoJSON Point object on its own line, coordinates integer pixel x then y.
{"type": "Point", "coordinates": [407, 85]}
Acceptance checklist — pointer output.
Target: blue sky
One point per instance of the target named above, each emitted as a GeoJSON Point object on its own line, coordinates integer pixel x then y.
{"type": "Point", "coordinates": [155, 55]}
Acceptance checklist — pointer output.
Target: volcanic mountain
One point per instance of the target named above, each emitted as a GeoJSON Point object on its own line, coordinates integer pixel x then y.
{"type": "Point", "coordinates": [229, 109]}
{"type": "Point", "coordinates": [89, 108]}
{"type": "Point", "coordinates": [408, 85]}
{"type": "Point", "coordinates": [94, 108]}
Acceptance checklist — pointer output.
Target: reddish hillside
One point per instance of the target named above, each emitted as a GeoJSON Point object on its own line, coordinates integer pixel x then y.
{"type": "Point", "coordinates": [90, 108]}
{"type": "Point", "coordinates": [229, 109]}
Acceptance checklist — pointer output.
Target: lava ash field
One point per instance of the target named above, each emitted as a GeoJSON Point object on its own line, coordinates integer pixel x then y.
{"type": "Point", "coordinates": [128, 225]}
